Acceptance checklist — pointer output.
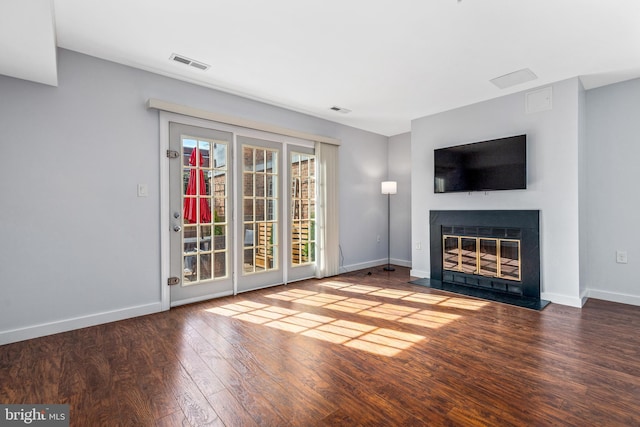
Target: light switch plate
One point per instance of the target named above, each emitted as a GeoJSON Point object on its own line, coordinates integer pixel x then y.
{"type": "Point", "coordinates": [143, 190]}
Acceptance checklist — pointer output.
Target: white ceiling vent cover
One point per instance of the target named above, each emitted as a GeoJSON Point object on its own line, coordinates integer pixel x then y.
{"type": "Point", "coordinates": [515, 78]}
{"type": "Point", "coordinates": [188, 61]}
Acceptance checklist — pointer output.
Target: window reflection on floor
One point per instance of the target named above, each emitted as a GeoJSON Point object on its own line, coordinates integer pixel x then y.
{"type": "Point", "coordinates": [358, 335]}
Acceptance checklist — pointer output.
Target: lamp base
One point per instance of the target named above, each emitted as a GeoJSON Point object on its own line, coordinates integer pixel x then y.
{"type": "Point", "coordinates": [389, 268]}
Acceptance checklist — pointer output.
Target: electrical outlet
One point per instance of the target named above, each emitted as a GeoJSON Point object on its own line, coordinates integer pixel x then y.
{"type": "Point", "coordinates": [621, 257]}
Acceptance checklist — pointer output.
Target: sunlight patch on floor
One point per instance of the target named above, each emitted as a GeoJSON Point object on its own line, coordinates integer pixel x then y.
{"type": "Point", "coordinates": [429, 319]}
{"type": "Point", "coordinates": [391, 293]}
{"type": "Point", "coordinates": [385, 341]}
{"type": "Point", "coordinates": [361, 336]}
{"type": "Point", "coordinates": [352, 305]}
{"type": "Point", "coordinates": [387, 311]}
{"type": "Point", "coordinates": [445, 301]}
{"type": "Point", "coordinates": [425, 298]}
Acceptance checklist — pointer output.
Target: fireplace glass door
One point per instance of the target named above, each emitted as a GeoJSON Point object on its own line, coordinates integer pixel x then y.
{"type": "Point", "coordinates": [451, 249]}
{"type": "Point", "coordinates": [510, 259]}
{"type": "Point", "coordinates": [488, 254]}
{"type": "Point", "coordinates": [469, 255]}
{"type": "Point", "coordinates": [489, 257]}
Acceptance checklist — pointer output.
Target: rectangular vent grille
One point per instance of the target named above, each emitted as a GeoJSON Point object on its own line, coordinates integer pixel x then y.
{"type": "Point", "coordinates": [340, 109]}
{"type": "Point", "coordinates": [190, 62]}
{"type": "Point", "coordinates": [492, 232]}
{"type": "Point", "coordinates": [515, 78]}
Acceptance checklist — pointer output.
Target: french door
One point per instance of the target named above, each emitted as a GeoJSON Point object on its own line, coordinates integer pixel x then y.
{"type": "Point", "coordinates": [260, 222]}
{"type": "Point", "coordinates": [200, 224]}
{"type": "Point", "coordinates": [301, 163]}
{"type": "Point", "coordinates": [241, 210]}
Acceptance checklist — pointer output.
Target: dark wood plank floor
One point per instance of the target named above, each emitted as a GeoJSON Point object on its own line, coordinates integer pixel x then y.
{"type": "Point", "coordinates": [351, 350]}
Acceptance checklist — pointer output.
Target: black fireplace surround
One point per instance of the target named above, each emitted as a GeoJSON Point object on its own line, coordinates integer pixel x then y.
{"type": "Point", "coordinates": [521, 225]}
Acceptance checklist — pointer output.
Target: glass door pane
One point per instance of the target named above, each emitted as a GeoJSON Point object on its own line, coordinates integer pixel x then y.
{"type": "Point", "coordinates": [260, 228]}
{"type": "Point", "coordinates": [205, 230]}
{"type": "Point", "coordinates": [510, 259]}
{"type": "Point", "coordinates": [451, 256]}
{"type": "Point", "coordinates": [488, 255]}
{"type": "Point", "coordinates": [301, 233]}
{"type": "Point", "coordinates": [200, 228]}
{"type": "Point", "coordinates": [303, 206]}
{"type": "Point", "coordinates": [259, 201]}
{"type": "Point", "coordinates": [469, 258]}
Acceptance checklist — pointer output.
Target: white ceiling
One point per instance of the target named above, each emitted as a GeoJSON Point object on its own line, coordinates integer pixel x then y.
{"type": "Point", "coordinates": [28, 41]}
{"type": "Point", "coordinates": [389, 61]}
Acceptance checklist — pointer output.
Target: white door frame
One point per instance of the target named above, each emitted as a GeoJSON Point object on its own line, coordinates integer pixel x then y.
{"type": "Point", "coordinates": [165, 119]}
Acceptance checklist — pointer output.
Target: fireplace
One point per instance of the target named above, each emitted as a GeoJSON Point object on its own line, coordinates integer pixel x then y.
{"type": "Point", "coordinates": [484, 252]}
{"type": "Point", "coordinates": [496, 252]}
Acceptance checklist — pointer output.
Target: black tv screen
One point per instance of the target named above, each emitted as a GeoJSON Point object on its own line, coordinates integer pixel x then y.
{"type": "Point", "coordinates": [498, 164]}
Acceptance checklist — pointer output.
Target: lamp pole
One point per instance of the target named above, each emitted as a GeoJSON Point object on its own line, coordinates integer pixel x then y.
{"type": "Point", "coordinates": [388, 267]}
{"type": "Point", "coordinates": [389, 188]}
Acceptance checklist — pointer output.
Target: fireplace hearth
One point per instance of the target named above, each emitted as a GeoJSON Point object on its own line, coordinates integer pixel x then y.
{"type": "Point", "coordinates": [493, 254]}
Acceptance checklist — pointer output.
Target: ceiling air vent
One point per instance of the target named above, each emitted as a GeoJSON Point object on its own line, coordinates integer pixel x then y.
{"type": "Point", "coordinates": [515, 78]}
{"type": "Point", "coordinates": [187, 61]}
{"type": "Point", "coordinates": [340, 110]}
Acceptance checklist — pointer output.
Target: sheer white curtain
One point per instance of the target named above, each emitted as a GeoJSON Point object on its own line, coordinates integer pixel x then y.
{"type": "Point", "coordinates": [328, 221]}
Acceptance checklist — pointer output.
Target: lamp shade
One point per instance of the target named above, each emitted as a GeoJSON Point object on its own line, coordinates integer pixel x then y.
{"type": "Point", "coordinates": [389, 187]}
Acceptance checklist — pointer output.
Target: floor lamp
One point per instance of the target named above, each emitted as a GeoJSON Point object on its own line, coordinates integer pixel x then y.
{"type": "Point", "coordinates": [389, 188]}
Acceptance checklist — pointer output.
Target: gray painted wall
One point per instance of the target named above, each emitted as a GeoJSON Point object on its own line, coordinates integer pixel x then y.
{"type": "Point", "coordinates": [363, 212]}
{"type": "Point", "coordinates": [77, 246]}
{"type": "Point", "coordinates": [553, 181]}
{"type": "Point", "coordinates": [613, 159]}
{"type": "Point", "coordinates": [399, 158]}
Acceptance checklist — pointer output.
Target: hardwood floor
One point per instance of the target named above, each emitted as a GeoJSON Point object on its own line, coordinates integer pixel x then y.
{"type": "Point", "coordinates": [351, 350]}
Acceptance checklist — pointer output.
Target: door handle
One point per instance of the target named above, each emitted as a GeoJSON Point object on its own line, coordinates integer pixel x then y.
{"type": "Point", "coordinates": [177, 228]}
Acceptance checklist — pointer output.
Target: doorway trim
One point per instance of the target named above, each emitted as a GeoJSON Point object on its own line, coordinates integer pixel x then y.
{"type": "Point", "coordinates": [165, 117]}
{"type": "Point", "coordinates": [197, 113]}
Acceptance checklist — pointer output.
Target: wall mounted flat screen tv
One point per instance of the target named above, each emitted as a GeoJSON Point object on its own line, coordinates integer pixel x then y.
{"type": "Point", "coordinates": [498, 164]}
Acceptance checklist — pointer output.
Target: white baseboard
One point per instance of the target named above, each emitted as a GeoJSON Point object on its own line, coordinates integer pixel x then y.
{"type": "Point", "coordinates": [372, 264]}
{"type": "Point", "coordinates": [592, 293]}
{"type": "Point", "coordinates": [421, 274]}
{"type": "Point", "coordinates": [51, 328]}
{"type": "Point", "coordinates": [614, 297]}
{"type": "Point", "coordinates": [200, 298]}
{"type": "Point", "coordinates": [401, 262]}
{"type": "Point", "coordinates": [563, 299]}
{"type": "Point", "coordinates": [362, 265]}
